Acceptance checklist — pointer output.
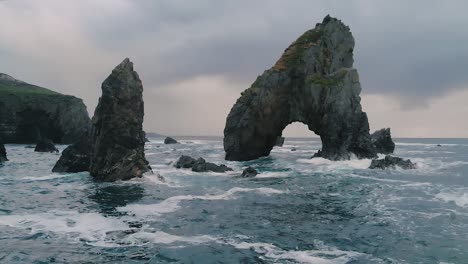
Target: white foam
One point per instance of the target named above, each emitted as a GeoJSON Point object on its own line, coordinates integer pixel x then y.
{"type": "Point", "coordinates": [172, 204]}
{"type": "Point", "coordinates": [165, 238]}
{"type": "Point", "coordinates": [272, 174]}
{"type": "Point", "coordinates": [329, 165]}
{"type": "Point", "coordinates": [460, 198]}
{"type": "Point", "coordinates": [48, 177]}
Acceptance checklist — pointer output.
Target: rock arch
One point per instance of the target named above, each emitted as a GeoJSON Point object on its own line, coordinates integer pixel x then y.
{"type": "Point", "coordinates": [314, 83]}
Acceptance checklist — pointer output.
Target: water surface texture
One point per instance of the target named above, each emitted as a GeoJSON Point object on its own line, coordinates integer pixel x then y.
{"type": "Point", "coordinates": [297, 210]}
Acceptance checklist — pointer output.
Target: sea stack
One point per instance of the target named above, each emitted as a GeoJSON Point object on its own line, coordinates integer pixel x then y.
{"type": "Point", "coordinates": [313, 82]}
{"type": "Point", "coordinates": [117, 136]}
{"type": "Point", "coordinates": [3, 154]}
{"type": "Point", "coordinates": [382, 140]}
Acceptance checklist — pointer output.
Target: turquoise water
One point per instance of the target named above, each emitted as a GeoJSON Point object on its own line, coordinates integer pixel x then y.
{"type": "Point", "coordinates": [296, 211]}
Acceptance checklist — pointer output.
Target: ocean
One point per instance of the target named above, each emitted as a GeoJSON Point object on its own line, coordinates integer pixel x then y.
{"type": "Point", "coordinates": [297, 210]}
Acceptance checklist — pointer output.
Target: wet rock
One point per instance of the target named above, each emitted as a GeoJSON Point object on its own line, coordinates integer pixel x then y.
{"type": "Point", "coordinates": [392, 163]}
{"type": "Point", "coordinates": [200, 165]}
{"type": "Point", "coordinates": [3, 153]}
{"type": "Point", "coordinates": [249, 172]}
{"type": "Point", "coordinates": [438, 145]}
{"type": "Point", "coordinates": [294, 149]}
{"type": "Point", "coordinates": [75, 158]}
{"type": "Point", "coordinates": [317, 155]}
{"type": "Point", "coordinates": [279, 141]}
{"type": "Point", "coordinates": [313, 82]}
{"type": "Point", "coordinates": [117, 136]}
{"type": "Point", "coordinates": [382, 141]}
{"type": "Point", "coordinates": [46, 145]}
{"type": "Point", "coordinates": [170, 140]}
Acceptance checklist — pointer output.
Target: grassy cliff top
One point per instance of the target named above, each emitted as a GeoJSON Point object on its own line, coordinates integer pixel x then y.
{"type": "Point", "coordinates": [9, 85]}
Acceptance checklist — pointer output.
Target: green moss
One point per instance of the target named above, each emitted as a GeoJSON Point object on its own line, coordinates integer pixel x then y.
{"type": "Point", "coordinates": [321, 80]}
{"type": "Point", "coordinates": [15, 88]}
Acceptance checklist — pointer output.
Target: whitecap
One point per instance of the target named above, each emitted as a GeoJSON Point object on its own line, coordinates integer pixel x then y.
{"type": "Point", "coordinates": [160, 237]}
{"type": "Point", "coordinates": [460, 198]}
{"type": "Point", "coordinates": [271, 174]}
{"type": "Point", "coordinates": [329, 165]}
{"type": "Point", "coordinates": [48, 177]}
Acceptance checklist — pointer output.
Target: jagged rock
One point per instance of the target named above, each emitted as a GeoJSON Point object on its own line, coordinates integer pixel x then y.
{"type": "Point", "coordinates": [294, 149]}
{"type": "Point", "coordinates": [200, 165]}
{"type": "Point", "coordinates": [46, 145]}
{"type": "Point", "coordinates": [438, 145]}
{"type": "Point", "coordinates": [117, 136]}
{"type": "Point", "coordinates": [317, 155]}
{"type": "Point", "coordinates": [29, 113]}
{"type": "Point", "coordinates": [170, 140]}
{"type": "Point", "coordinates": [249, 172]}
{"type": "Point", "coordinates": [3, 153]}
{"type": "Point", "coordinates": [314, 83]}
{"type": "Point", "coordinates": [75, 158]}
{"type": "Point", "coordinates": [279, 141]}
{"type": "Point", "coordinates": [382, 141]}
{"type": "Point", "coordinates": [392, 162]}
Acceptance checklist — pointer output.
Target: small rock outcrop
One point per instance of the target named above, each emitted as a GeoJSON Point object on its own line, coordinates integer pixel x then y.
{"type": "Point", "coordinates": [391, 163]}
{"type": "Point", "coordinates": [75, 158]}
{"type": "Point", "coordinates": [313, 82]}
{"type": "Point", "coordinates": [382, 141]}
{"type": "Point", "coordinates": [3, 153]}
{"type": "Point", "coordinates": [170, 140]}
{"type": "Point", "coordinates": [117, 136]}
{"type": "Point", "coordinates": [279, 141]}
{"type": "Point", "coordinates": [29, 113]}
{"type": "Point", "coordinates": [46, 145]}
{"type": "Point", "coordinates": [249, 173]}
{"type": "Point", "coordinates": [200, 165]}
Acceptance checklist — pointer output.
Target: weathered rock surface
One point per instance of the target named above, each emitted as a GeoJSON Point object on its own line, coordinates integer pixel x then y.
{"type": "Point", "coordinates": [392, 163]}
{"type": "Point", "coordinates": [279, 141]}
{"type": "Point", "coordinates": [117, 136]}
{"type": "Point", "coordinates": [75, 158]}
{"type": "Point", "coordinates": [45, 145]}
{"type": "Point", "coordinates": [29, 113]}
{"type": "Point", "coordinates": [3, 153]}
{"type": "Point", "coordinates": [382, 141]}
{"type": "Point", "coordinates": [249, 173]}
{"type": "Point", "coordinates": [200, 165]}
{"type": "Point", "coordinates": [170, 140]}
{"type": "Point", "coordinates": [314, 83]}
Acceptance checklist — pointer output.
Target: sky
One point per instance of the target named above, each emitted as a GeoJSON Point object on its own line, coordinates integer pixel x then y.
{"type": "Point", "coordinates": [196, 57]}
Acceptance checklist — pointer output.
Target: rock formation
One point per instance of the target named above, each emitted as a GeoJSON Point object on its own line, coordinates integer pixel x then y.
{"type": "Point", "coordinates": [392, 163]}
{"type": "Point", "coordinates": [75, 158]}
{"type": "Point", "coordinates": [200, 165]}
{"type": "Point", "coordinates": [29, 113]}
{"type": "Point", "coordinates": [46, 145]}
{"type": "Point", "coordinates": [170, 140]}
{"type": "Point", "coordinates": [117, 137]}
{"type": "Point", "coordinates": [279, 141]}
{"type": "Point", "coordinates": [382, 141]}
{"type": "Point", "coordinates": [314, 83]}
{"type": "Point", "coordinates": [249, 172]}
{"type": "Point", "coordinates": [3, 154]}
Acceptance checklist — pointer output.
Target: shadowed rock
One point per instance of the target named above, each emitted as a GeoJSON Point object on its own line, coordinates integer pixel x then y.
{"type": "Point", "coordinates": [392, 163]}
{"type": "Point", "coordinates": [314, 83]}
{"type": "Point", "coordinates": [117, 137]}
{"type": "Point", "coordinates": [382, 141]}
{"type": "Point", "coordinates": [3, 154]}
{"type": "Point", "coordinates": [279, 141]}
{"type": "Point", "coordinates": [75, 158]}
{"type": "Point", "coordinates": [249, 172]}
{"type": "Point", "coordinates": [45, 145]}
{"type": "Point", "coordinates": [170, 140]}
{"type": "Point", "coordinates": [200, 165]}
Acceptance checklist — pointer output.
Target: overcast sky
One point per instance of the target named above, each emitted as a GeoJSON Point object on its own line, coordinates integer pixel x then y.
{"type": "Point", "coordinates": [195, 57]}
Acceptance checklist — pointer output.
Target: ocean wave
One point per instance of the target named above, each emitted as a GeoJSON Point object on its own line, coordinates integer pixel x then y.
{"type": "Point", "coordinates": [48, 177]}
{"type": "Point", "coordinates": [460, 198]}
{"type": "Point", "coordinates": [329, 165]}
{"type": "Point", "coordinates": [272, 174]}
{"type": "Point", "coordinates": [172, 204]}
{"type": "Point", "coordinates": [160, 237]}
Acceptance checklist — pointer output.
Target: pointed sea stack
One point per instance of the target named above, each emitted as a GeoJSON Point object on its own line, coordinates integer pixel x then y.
{"type": "Point", "coordinates": [382, 141]}
{"type": "Point", "coordinates": [314, 83]}
{"type": "Point", "coordinates": [117, 136]}
{"type": "Point", "coordinates": [3, 154]}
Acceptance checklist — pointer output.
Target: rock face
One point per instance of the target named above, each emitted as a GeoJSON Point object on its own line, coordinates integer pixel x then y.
{"type": "Point", "coordinates": [75, 158]}
{"type": "Point", "coordinates": [382, 141]}
{"type": "Point", "coordinates": [117, 137]}
{"type": "Point", "coordinates": [29, 113]}
{"type": "Point", "coordinates": [170, 140]}
{"type": "Point", "coordinates": [249, 172]}
{"type": "Point", "coordinates": [279, 141]}
{"type": "Point", "coordinates": [3, 154]}
{"type": "Point", "coordinates": [392, 163]}
{"type": "Point", "coordinates": [314, 83]}
{"type": "Point", "coordinates": [45, 145]}
{"type": "Point", "coordinates": [200, 165]}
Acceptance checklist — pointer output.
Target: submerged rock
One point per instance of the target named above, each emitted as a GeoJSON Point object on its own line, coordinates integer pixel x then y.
{"type": "Point", "coordinates": [170, 140]}
{"type": "Point", "coordinates": [279, 141]}
{"type": "Point", "coordinates": [314, 83]}
{"type": "Point", "coordinates": [3, 153]}
{"type": "Point", "coordinates": [117, 138]}
{"type": "Point", "coordinates": [29, 113]}
{"type": "Point", "coordinates": [382, 141]}
{"type": "Point", "coordinates": [392, 162]}
{"type": "Point", "coordinates": [249, 172]}
{"type": "Point", "coordinates": [75, 158]}
{"type": "Point", "coordinates": [46, 145]}
{"type": "Point", "coordinates": [200, 165]}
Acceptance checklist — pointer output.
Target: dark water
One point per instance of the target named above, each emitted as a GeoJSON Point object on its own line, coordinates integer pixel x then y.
{"type": "Point", "coordinates": [297, 211]}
